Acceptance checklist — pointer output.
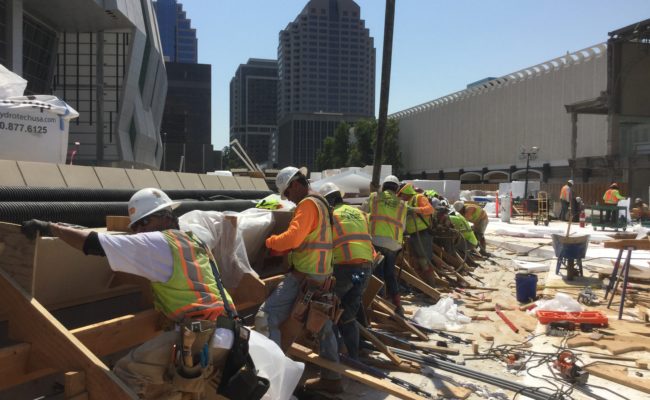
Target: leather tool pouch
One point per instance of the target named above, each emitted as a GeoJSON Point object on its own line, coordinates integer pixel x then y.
{"type": "Point", "coordinates": [192, 379]}
{"type": "Point", "coordinates": [317, 316]}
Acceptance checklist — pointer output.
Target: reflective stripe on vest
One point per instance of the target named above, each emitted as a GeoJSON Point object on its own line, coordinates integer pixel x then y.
{"type": "Point", "coordinates": [314, 255]}
{"type": "Point", "coordinates": [387, 214]}
{"type": "Point", "coordinates": [461, 225]}
{"type": "Point", "coordinates": [611, 196]}
{"type": "Point", "coordinates": [351, 237]}
{"type": "Point", "coordinates": [474, 213]}
{"type": "Point", "coordinates": [192, 290]}
{"type": "Point", "coordinates": [416, 222]}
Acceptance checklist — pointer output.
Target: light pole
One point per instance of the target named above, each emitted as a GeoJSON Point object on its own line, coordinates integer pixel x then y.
{"type": "Point", "coordinates": [528, 154]}
{"type": "Point", "coordinates": [164, 159]}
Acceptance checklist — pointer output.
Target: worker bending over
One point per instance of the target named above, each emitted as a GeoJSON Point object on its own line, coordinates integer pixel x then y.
{"type": "Point", "coordinates": [478, 217]}
{"type": "Point", "coordinates": [185, 289]}
{"type": "Point", "coordinates": [309, 241]}
{"type": "Point", "coordinates": [611, 198]}
{"type": "Point", "coordinates": [418, 223]}
{"type": "Point", "coordinates": [387, 216]}
{"type": "Point", "coordinates": [352, 259]}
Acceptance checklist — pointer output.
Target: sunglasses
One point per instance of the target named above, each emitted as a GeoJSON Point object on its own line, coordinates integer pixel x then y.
{"type": "Point", "coordinates": [145, 220]}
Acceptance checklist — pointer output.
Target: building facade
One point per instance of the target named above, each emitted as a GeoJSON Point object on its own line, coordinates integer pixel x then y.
{"type": "Point", "coordinates": [105, 60]}
{"type": "Point", "coordinates": [253, 107]}
{"type": "Point", "coordinates": [178, 38]}
{"type": "Point", "coordinates": [326, 66]}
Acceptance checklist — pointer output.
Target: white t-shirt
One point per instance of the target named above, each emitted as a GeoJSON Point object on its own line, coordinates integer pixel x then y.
{"type": "Point", "coordinates": [144, 254]}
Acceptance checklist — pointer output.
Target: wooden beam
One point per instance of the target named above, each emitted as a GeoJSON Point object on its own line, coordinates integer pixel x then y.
{"type": "Point", "coordinates": [374, 286]}
{"type": "Point", "coordinates": [400, 320]}
{"type": "Point", "coordinates": [75, 385]}
{"type": "Point", "coordinates": [618, 374]}
{"type": "Point", "coordinates": [418, 284]}
{"type": "Point", "coordinates": [14, 366]}
{"type": "Point", "coordinates": [17, 255]}
{"type": "Point", "coordinates": [305, 354]}
{"type": "Point", "coordinates": [52, 346]}
{"type": "Point", "coordinates": [379, 344]}
{"type": "Point", "coordinates": [637, 244]}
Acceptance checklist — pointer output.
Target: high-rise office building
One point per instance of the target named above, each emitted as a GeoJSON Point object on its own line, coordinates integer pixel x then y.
{"type": "Point", "coordinates": [177, 36]}
{"type": "Point", "coordinates": [253, 107]}
{"type": "Point", "coordinates": [326, 75]}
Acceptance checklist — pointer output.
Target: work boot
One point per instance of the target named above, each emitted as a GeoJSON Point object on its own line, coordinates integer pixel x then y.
{"type": "Point", "coordinates": [324, 385]}
{"type": "Point", "coordinates": [398, 305]}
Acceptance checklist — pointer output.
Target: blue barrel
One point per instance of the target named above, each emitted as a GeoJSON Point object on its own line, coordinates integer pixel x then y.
{"type": "Point", "coordinates": [526, 287]}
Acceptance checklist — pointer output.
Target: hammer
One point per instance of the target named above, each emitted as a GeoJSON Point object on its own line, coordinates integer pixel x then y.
{"type": "Point", "coordinates": [188, 340]}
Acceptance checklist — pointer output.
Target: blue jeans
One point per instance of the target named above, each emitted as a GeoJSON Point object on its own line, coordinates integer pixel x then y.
{"type": "Point", "coordinates": [351, 281]}
{"type": "Point", "coordinates": [386, 270]}
{"type": "Point", "coordinates": [278, 308]}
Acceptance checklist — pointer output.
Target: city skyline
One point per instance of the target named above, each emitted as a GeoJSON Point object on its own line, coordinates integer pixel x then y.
{"type": "Point", "coordinates": [487, 40]}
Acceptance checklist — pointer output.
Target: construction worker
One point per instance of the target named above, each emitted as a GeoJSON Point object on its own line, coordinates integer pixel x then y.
{"type": "Point", "coordinates": [308, 239]}
{"type": "Point", "coordinates": [640, 210]}
{"type": "Point", "coordinates": [352, 259]}
{"type": "Point", "coordinates": [469, 240]}
{"type": "Point", "coordinates": [611, 198]}
{"type": "Point", "coordinates": [387, 216]}
{"type": "Point", "coordinates": [478, 217]}
{"type": "Point", "coordinates": [184, 287]}
{"type": "Point", "coordinates": [566, 197]}
{"type": "Point", "coordinates": [418, 222]}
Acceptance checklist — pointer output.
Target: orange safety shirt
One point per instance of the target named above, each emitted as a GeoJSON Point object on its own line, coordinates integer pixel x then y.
{"type": "Point", "coordinates": [305, 220]}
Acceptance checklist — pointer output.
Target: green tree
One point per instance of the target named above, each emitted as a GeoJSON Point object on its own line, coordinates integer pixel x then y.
{"type": "Point", "coordinates": [392, 154]}
{"type": "Point", "coordinates": [230, 159]}
{"type": "Point", "coordinates": [341, 145]}
{"type": "Point", "coordinates": [324, 158]}
{"type": "Point", "coordinates": [365, 131]}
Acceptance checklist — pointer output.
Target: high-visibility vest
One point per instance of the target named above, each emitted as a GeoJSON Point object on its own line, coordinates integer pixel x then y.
{"type": "Point", "coordinates": [461, 225]}
{"type": "Point", "coordinates": [612, 196]}
{"type": "Point", "coordinates": [474, 213]}
{"type": "Point", "coordinates": [314, 255]}
{"type": "Point", "coordinates": [565, 193]}
{"type": "Point", "coordinates": [416, 222]}
{"type": "Point", "coordinates": [387, 215]}
{"type": "Point", "coordinates": [351, 237]}
{"type": "Point", "coordinates": [192, 291]}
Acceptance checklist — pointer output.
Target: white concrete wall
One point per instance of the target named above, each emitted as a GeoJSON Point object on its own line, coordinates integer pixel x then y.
{"type": "Point", "coordinates": [486, 126]}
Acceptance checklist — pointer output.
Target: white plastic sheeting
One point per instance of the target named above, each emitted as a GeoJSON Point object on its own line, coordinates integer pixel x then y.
{"type": "Point", "coordinates": [449, 189]}
{"type": "Point", "coordinates": [11, 84]}
{"type": "Point", "coordinates": [282, 372]}
{"type": "Point", "coordinates": [442, 315]}
{"type": "Point", "coordinates": [351, 182]}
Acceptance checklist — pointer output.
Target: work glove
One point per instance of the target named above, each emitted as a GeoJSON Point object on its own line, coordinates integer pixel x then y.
{"type": "Point", "coordinates": [33, 226]}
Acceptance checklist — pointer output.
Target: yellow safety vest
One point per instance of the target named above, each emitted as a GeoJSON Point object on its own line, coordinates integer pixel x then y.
{"type": "Point", "coordinates": [351, 235]}
{"type": "Point", "coordinates": [474, 213]}
{"type": "Point", "coordinates": [416, 222]}
{"type": "Point", "coordinates": [612, 196]}
{"type": "Point", "coordinates": [314, 255]}
{"type": "Point", "coordinates": [387, 215]}
{"type": "Point", "coordinates": [192, 291]}
{"type": "Point", "coordinates": [461, 225]}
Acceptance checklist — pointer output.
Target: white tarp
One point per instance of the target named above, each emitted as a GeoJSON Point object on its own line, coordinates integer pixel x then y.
{"type": "Point", "coordinates": [449, 189]}
{"type": "Point", "coordinates": [35, 128]}
{"type": "Point", "coordinates": [11, 84]}
{"type": "Point", "coordinates": [351, 182]}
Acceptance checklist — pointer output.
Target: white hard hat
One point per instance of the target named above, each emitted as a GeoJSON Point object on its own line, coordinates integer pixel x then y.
{"type": "Point", "coordinates": [148, 201]}
{"type": "Point", "coordinates": [458, 206]}
{"type": "Point", "coordinates": [570, 181]}
{"type": "Point", "coordinates": [391, 179]}
{"type": "Point", "coordinates": [329, 188]}
{"type": "Point", "coordinates": [284, 178]}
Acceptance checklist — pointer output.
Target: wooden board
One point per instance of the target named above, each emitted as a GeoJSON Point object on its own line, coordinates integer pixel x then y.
{"type": "Point", "coordinates": [53, 347]}
{"type": "Point", "coordinates": [522, 320]}
{"type": "Point", "coordinates": [417, 283]}
{"type": "Point", "coordinates": [17, 255]}
{"type": "Point", "coordinates": [400, 321]}
{"type": "Point", "coordinates": [621, 344]}
{"type": "Point", "coordinates": [619, 374]}
{"type": "Point", "coordinates": [640, 244]}
{"type": "Point", "coordinates": [374, 286]}
{"type": "Point", "coordinates": [304, 354]}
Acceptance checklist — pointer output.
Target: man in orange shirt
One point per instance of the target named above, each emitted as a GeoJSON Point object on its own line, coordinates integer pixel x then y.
{"type": "Point", "coordinates": [566, 197]}
{"type": "Point", "coordinates": [308, 239]}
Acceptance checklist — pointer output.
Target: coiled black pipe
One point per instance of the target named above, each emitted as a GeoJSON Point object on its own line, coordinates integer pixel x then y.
{"type": "Point", "coordinates": [93, 214]}
{"type": "Point", "coordinates": [22, 193]}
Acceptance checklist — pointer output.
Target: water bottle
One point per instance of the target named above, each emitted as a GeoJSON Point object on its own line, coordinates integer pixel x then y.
{"type": "Point", "coordinates": [222, 341]}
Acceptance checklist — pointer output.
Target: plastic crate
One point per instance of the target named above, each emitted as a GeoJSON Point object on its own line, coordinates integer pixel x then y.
{"type": "Point", "coordinates": [580, 317]}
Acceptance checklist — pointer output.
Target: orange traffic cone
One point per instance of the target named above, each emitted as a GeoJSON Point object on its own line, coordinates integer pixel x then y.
{"type": "Point", "coordinates": [583, 218]}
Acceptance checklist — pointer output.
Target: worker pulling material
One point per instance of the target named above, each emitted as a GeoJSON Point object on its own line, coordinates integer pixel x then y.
{"type": "Point", "coordinates": [187, 289]}
{"type": "Point", "coordinates": [478, 217]}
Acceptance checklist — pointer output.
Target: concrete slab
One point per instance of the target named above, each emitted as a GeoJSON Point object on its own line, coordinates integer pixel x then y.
{"type": "Point", "coordinates": [113, 178]}
{"type": "Point", "coordinates": [260, 184]}
{"type": "Point", "coordinates": [41, 174]}
{"type": "Point", "coordinates": [10, 175]}
{"type": "Point", "coordinates": [142, 178]}
{"type": "Point", "coordinates": [229, 183]}
{"type": "Point", "coordinates": [168, 180]}
{"type": "Point", "coordinates": [245, 182]}
{"type": "Point", "coordinates": [79, 176]}
{"type": "Point", "coordinates": [190, 181]}
{"type": "Point", "coordinates": [211, 182]}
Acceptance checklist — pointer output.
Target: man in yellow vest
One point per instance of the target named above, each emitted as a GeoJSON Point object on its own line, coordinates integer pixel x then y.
{"type": "Point", "coordinates": [387, 216]}
{"type": "Point", "coordinates": [308, 239]}
{"type": "Point", "coordinates": [611, 198]}
{"type": "Point", "coordinates": [184, 287]}
{"type": "Point", "coordinates": [566, 197]}
{"type": "Point", "coordinates": [352, 259]}
{"type": "Point", "coordinates": [478, 217]}
{"type": "Point", "coordinates": [418, 221]}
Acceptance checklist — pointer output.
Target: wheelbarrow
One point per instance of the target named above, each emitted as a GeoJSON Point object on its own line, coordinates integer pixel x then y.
{"type": "Point", "coordinates": [570, 250]}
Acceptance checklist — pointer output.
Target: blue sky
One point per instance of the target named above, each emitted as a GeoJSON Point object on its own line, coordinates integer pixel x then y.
{"type": "Point", "coordinates": [439, 46]}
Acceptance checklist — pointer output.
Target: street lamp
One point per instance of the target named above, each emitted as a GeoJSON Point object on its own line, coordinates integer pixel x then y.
{"type": "Point", "coordinates": [528, 154]}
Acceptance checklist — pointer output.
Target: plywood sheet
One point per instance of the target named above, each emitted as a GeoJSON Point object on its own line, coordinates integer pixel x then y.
{"type": "Point", "coordinates": [168, 180]}
{"type": "Point", "coordinates": [211, 182]}
{"type": "Point", "coordinates": [10, 175]}
{"type": "Point", "coordinates": [41, 174]}
{"type": "Point", "coordinates": [190, 181]}
{"type": "Point", "coordinates": [229, 182]}
{"type": "Point", "coordinates": [260, 184]}
{"type": "Point", "coordinates": [113, 178]}
{"type": "Point", "coordinates": [142, 178]}
{"type": "Point", "coordinates": [78, 176]}
{"type": "Point", "coordinates": [245, 183]}
{"type": "Point", "coordinates": [17, 255]}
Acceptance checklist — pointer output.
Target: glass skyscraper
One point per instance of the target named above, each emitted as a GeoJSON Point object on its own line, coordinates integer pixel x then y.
{"type": "Point", "coordinates": [178, 38]}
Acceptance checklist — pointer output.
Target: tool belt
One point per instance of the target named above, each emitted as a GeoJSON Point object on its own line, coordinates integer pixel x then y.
{"type": "Point", "coordinates": [192, 362]}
